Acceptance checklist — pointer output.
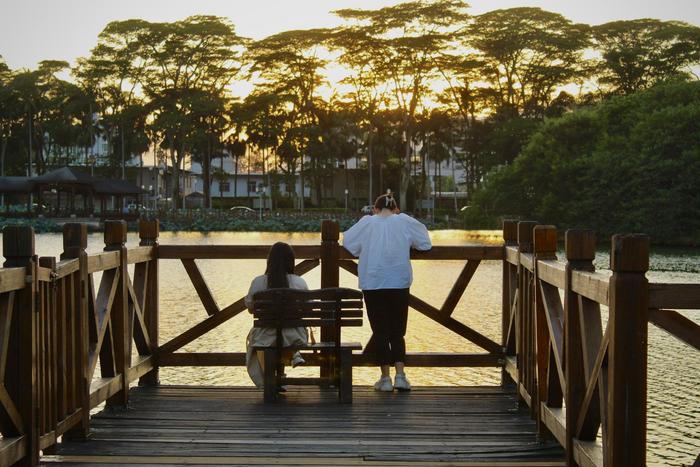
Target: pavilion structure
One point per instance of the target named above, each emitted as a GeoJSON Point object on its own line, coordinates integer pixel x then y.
{"type": "Point", "coordinates": [68, 191]}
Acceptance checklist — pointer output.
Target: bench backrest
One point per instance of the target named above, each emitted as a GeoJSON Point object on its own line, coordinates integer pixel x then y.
{"type": "Point", "coordinates": [332, 307]}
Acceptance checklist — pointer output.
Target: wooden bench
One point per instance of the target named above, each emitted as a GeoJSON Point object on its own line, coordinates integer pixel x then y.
{"type": "Point", "coordinates": [332, 309]}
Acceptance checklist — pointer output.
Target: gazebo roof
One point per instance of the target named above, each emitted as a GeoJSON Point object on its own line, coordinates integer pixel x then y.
{"type": "Point", "coordinates": [65, 175]}
{"type": "Point", "coordinates": [15, 185]}
{"type": "Point", "coordinates": [69, 176]}
{"type": "Point", "coordinates": [116, 187]}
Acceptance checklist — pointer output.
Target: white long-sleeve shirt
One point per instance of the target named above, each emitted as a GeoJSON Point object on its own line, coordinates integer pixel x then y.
{"type": "Point", "coordinates": [383, 244]}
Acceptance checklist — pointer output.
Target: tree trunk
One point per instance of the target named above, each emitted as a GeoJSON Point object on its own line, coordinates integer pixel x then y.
{"type": "Point", "coordinates": [221, 193]}
{"type": "Point", "coordinates": [370, 146]}
{"type": "Point", "coordinates": [3, 150]}
{"type": "Point", "coordinates": [40, 165]}
{"type": "Point", "coordinates": [175, 156]}
{"type": "Point", "coordinates": [235, 174]}
{"type": "Point", "coordinates": [247, 182]}
{"type": "Point", "coordinates": [405, 173]}
{"type": "Point", "coordinates": [424, 174]}
{"type": "Point", "coordinates": [206, 176]}
{"type": "Point", "coordinates": [301, 182]}
{"type": "Point", "coordinates": [29, 149]}
{"type": "Point", "coordinates": [123, 151]}
{"type": "Point", "coordinates": [438, 187]}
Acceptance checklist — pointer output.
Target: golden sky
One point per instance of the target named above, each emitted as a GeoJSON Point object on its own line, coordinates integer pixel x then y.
{"type": "Point", "coordinates": [34, 30]}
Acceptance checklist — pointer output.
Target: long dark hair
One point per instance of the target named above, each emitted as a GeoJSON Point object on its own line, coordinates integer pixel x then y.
{"type": "Point", "coordinates": [280, 262]}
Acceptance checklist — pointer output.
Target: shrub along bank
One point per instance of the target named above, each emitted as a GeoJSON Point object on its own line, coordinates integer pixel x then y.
{"type": "Point", "coordinates": [206, 222]}
{"type": "Point", "coordinates": [630, 164]}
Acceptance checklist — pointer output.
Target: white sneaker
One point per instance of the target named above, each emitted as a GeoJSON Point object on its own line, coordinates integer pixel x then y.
{"type": "Point", "coordinates": [401, 382]}
{"type": "Point", "coordinates": [384, 384]}
{"type": "Point", "coordinates": [297, 360]}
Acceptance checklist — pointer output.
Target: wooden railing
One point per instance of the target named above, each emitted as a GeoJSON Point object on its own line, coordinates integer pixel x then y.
{"type": "Point", "coordinates": [582, 376]}
{"type": "Point", "coordinates": [331, 257]}
{"type": "Point", "coordinates": [56, 328]}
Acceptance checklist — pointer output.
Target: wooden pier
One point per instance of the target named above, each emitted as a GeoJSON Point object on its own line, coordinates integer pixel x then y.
{"type": "Point", "coordinates": [573, 382]}
{"type": "Point", "coordinates": [232, 426]}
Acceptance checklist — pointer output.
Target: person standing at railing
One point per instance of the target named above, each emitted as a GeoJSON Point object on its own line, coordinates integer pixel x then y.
{"type": "Point", "coordinates": [383, 244]}
{"type": "Point", "coordinates": [279, 274]}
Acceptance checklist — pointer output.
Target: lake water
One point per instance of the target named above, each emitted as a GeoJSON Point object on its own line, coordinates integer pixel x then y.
{"type": "Point", "coordinates": [674, 368]}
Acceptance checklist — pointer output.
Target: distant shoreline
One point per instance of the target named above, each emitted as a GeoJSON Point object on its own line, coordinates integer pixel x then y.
{"type": "Point", "coordinates": [291, 224]}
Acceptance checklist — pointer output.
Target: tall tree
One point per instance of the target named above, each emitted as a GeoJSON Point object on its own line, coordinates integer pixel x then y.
{"type": "Point", "coordinates": [639, 53]}
{"type": "Point", "coordinates": [9, 112]}
{"type": "Point", "coordinates": [526, 54]}
{"type": "Point", "coordinates": [435, 132]}
{"type": "Point", "coordinates": [262, 116]}
{"type": "Point", "coordinates": [403, 41]}
{"type": "Point", "coordinates": [289, 65]}
{"type": "Point", "coordinates": [184, 58]}
{"type": "Point", "coordinates": [114, 73]}
{"type": "Point", "coordinates": [209, 113]}
{"type": "Point", "coordinates": [38, 93]}
{"type": "Point", "coordinates": [368, 89]}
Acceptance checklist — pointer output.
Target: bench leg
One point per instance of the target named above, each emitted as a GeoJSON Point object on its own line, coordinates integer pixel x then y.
{"type": "Point", "coordinates": [345, 389]}
{"type": "Point", "coordinates": [270, 376]}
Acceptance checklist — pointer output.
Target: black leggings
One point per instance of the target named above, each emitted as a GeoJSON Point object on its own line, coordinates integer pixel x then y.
{"type": "Point", "coordinates": [387, 310]}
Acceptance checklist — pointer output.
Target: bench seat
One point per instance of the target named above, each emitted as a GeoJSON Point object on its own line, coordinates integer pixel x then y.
{"type": "Point", "coordinates": [330, 310]}
{"type": "Point", "coordinates": [319, 346]}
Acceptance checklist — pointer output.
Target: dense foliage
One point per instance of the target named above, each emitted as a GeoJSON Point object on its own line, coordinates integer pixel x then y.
{"type": "Point", "coordinates": [421, 80]}
{"type": "Point", "coordinates": [630, 164]}
{"type": "Point", "coordinates": [202, 221]}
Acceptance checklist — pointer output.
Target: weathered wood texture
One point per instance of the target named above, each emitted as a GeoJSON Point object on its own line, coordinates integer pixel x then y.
{"type": "Point", "coordinates": [627, 354]}
{"type": "Point", "coordinates": [148, 234]}
{"type": "Point", "coordinates": [210, 425]}
{"type": "Point", "coordinates": [576, 377]}
{"type": "Point", "coordinates": [61, 330]}
{"type": "Point", "coordinates": [18, 360]}
{"type": "Point", "coordinates": [333, 308]}
{"type": "Point", "coordinates": [558, 352]}
{"type": "Point", "coordinates": [580, 248]}
{"type": "Point", "coordinates": [313, 251]}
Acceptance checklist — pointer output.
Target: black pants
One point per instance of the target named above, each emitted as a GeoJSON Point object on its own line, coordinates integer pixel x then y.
{"type": "Point", "coordinates": [387, 310]}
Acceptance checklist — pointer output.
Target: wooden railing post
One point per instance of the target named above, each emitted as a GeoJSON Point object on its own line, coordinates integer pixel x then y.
{"type": "Point", "coordinates": [580, 246]}
{"type": "Point", "coordinates": [47, 355]}
{"type": "Point", "coordinates": [627, 351]}
{"type": "Point", "coordinates": [523, 318]}
{"type": "Point", "coordinates": [21, 368]}
{"type": "Point", "coordinates": [545, 248]}
{"type": "Point", "coordinates": [115, 240]}
{"type": "Point", "coordinates": [148, 233]}
{"type": "Point", "coordinates": [330, 276]}
{"type": "Point", "coordinates": [330, 271]}
{"type": "Point", "coordinates": [510, 238]}
{"type": "Point", "coordinates": [74, 246]}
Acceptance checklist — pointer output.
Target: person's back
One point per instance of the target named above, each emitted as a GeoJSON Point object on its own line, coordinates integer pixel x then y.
{"type": "Point", "coordinates": [278, 274]}
{"type": "Point", "coordinates": [383, 243]}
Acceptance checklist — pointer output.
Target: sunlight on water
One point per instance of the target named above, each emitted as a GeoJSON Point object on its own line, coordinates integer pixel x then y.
{"type": "Point", "coordinates": [674, 368]}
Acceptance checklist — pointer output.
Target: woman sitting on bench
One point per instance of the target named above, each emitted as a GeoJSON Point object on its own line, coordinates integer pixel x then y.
{"type": "Point", "coordinates": [279, 274]}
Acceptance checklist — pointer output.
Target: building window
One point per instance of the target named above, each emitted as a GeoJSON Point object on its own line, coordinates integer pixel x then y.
{"type": "Point", "coordinates": [224, 187]}
{"type": "Point", "coordinates": [252, 186]}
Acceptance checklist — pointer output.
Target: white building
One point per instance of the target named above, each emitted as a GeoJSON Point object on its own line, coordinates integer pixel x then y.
{"type": "Point", "coordinates": [252, 185]}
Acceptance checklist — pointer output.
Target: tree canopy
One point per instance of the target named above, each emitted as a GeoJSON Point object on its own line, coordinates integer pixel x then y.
{"type": "Point", "coordinates": [630, 164]}
{"type": "Point", "coordinates": [391, 88]}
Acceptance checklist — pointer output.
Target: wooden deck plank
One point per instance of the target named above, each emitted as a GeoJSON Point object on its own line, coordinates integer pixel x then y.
{"type": "Point", "coordinates": [116, 461]}
{"type": "Point", "coordinates": [219, 425]}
